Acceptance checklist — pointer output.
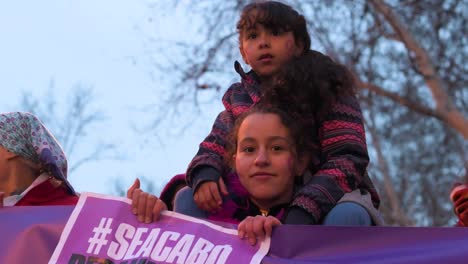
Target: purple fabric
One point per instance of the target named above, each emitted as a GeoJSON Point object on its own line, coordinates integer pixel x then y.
{"type": "Point", "coordinates": [29, 234]}
{"type": "Point", "coordinates": [27, 239]}
{"type": "Point", "coordinates": [111, 233]}
{"type": "Point", "coordinates": [324, 244]}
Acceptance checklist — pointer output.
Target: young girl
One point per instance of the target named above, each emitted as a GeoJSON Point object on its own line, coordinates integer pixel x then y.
{"type": "Point", "coordinates": [309, 88]}
{"type": "Point", "coordinates": [269, 150]}
{"type": "Point", "coordinates": [269, 153]}
{"type": "Point", "coordinates": [271, 35]}
{"type": "Point", "coordinates": [33, 167]}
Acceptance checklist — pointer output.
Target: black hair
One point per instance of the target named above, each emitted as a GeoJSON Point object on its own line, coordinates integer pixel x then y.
{"type": "Point", "coordinates": [308, 85]}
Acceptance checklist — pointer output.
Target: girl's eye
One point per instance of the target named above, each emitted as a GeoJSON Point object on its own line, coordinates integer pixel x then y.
{"type": "Point", "coordinates": [251, 35]}
{"type": "Point", "coordinates": [248, 149]}
{"type": "Point", "coordinates": [277, 148]}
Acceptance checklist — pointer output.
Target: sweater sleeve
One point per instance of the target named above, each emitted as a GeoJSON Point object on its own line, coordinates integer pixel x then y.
{"type": "Point", "coordinates": [344, 160]}
{"type": "Point", "coordinates": [211, 151]}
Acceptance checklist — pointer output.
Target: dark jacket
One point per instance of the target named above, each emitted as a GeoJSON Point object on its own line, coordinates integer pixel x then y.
{"type": "Point", "coordinates": [170, 190]}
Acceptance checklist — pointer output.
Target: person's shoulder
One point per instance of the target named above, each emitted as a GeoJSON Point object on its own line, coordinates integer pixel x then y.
{"type": "Point", "coordinates": [346, 102]}
{"type": "Point", "coordinates": [234, 88]}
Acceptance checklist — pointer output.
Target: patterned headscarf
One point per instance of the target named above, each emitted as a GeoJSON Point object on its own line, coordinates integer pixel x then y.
{"type": "Point", "coordinates": [25, 135]}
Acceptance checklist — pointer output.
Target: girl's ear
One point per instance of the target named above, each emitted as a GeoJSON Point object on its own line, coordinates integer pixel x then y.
{"type": "Point", "coordinates": [241, 50]}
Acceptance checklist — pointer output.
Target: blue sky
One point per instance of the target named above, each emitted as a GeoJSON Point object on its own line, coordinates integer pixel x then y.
{"type": "Point", "coordinates": [101, 44]}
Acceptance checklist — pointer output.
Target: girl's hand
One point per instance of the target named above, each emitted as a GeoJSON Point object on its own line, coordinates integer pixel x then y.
{"type": "Point", "coordinates": [145, 206]}
{"type": "Point", "coordinates": [460, 201]}
{"type": "Point", "coordinates": [208, 195]}
{"type": "Point", "coordinates": [257, 227]}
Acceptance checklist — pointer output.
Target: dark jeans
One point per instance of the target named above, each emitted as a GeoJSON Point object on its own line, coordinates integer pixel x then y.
{"type": "Point", "coordinates": [343, 214]}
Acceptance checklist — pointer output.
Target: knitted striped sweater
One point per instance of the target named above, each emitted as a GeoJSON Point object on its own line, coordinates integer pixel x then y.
{"type": "Point", "coordinates": [339, 162]}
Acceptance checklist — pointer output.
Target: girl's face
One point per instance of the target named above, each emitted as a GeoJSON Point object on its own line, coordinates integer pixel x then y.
{"type": "Point", "coordinates": [265, 160]}
{"type": "Point", "coordinates": [266, 50]}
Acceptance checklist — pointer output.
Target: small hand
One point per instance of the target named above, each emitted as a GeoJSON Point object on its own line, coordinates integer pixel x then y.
{"type": "Point", "coordinates": [208, 196]}
{"type": "Point", "coordinates": [145, 206]}
{"type": "Point", "coordinates": [460, 201]}
{"type": "Point", "coordinates": [257, 227]}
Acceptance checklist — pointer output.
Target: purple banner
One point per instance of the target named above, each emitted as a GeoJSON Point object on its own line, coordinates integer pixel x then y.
{"type": "Point", "coordinates": [102, 229]}
{"type": "Point", "coordinates": [30, 234]}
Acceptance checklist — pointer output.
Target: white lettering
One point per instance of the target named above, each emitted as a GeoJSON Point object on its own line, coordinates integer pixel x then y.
{"type": "Point", "coordinates": [160, 254]}
{"type": "Point", "coordinates": [117, 249]}
{"type": "Point", "coordinates": [131, 243]}
{"type": "Point", "coordinates": [146, 248]}
{"type": "Point", "coordinates": [219, 254]}
{"type": "Point", "coordinates": [135, 242]}
{"type": "Point", "coordinates": [181, 249]}
{"type": "Point", "coordinates": [200, 251]}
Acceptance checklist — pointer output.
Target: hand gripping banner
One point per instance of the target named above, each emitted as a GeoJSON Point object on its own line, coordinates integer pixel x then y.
{"type": "Point", "coordinates": [102, 229]}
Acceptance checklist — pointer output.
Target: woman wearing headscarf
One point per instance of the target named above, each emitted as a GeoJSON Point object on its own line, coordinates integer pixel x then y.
{"type": "Point", "coordinates": [33, 166]}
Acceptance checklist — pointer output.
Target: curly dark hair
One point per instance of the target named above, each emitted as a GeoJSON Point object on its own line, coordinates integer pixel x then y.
{"type": "Point", "coordinates": [275, 16]}
{"type": "Point", "coordinates": [302, 94]}
{"type": "Point", "coordinates": [309, 85]}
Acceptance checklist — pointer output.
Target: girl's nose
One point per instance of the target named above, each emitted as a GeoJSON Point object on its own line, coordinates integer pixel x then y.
{"type": "Point", "coordinates": [264, 41]}
{"type": "Point", "coordinates": [262, 159]}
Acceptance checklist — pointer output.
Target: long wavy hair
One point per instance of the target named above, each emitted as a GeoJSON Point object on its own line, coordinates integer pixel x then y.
{"type": "Point", "coordinates": [309, 85]}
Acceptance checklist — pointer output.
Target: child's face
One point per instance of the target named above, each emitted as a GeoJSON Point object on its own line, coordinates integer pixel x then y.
{"type": "Point", "coordinates": [266, 50]}
{"type": "Point", "coordinates": [264, 160]}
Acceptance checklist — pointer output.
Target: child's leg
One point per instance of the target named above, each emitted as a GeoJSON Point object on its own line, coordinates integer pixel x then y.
{"type": "Point", "coordinates": [185, 204]}
{"type": "Point", "coordinates": [348, 214]}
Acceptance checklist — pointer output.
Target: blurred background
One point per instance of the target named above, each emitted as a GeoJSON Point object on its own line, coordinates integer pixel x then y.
{"type": "Point", "coordinates": [130, 88]}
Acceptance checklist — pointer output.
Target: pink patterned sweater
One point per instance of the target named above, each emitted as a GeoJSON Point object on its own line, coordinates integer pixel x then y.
{"type": "Point", "coordinates": [339, 163]}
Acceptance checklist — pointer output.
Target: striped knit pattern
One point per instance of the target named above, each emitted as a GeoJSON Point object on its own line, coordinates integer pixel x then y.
{"type": "Point", "coordinates": [338, 165]}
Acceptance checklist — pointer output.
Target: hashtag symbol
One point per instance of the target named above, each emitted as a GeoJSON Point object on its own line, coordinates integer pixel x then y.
{"type": "Point", "coordinates": [100, 233]}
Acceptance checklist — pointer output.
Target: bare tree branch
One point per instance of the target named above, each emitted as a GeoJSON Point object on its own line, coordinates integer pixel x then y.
{"type": "Point", "coordinates": [73, 126]}
{"type": "Point", "coordinates": [415, 106]}
{"type": "Point", "coordinates": [421, 59]}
